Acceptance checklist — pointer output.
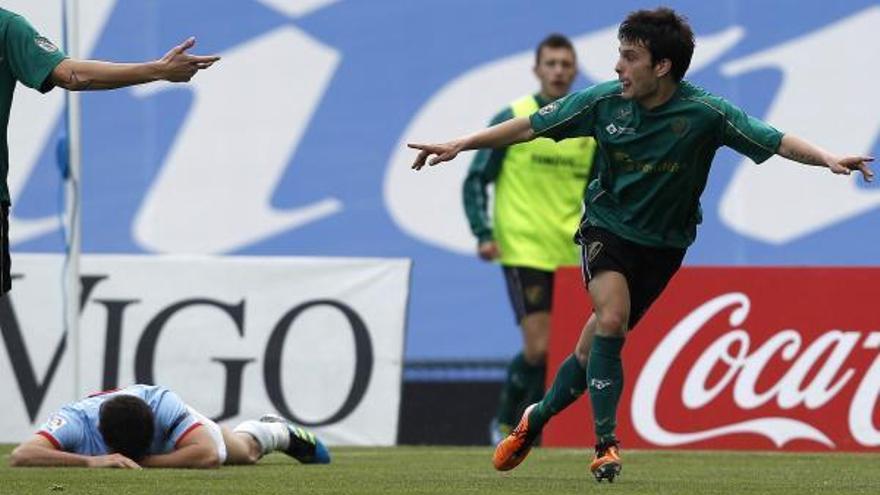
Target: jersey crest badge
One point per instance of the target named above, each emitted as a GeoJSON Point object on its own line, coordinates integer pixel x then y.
{"type": "Point", "coordinates": [46, 45]}
{"type": "Point", "coordinates": [548, 109]}
{"type": "Point", "coordinates": [55, 422]}
{"type": "Point", "coordinates": [679, 126]}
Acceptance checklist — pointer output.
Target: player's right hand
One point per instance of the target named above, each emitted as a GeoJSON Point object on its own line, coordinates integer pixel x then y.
{"type": "Point", "coordinates": [488, 250]}
{"type": "Point", "coordinates": [847, 164]}
{"type": "Point", "coordinates": [443, 153]}
{"type": "Point", "coordinates": [113, 461]}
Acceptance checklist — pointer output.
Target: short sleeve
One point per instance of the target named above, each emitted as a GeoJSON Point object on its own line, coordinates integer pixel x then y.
{"type": "Point", "coordinates": [173, 418]}
{"type": "Point", "coordinates": [747, 135]}
{"type": "Point", "coordinates": [64, 429]}
{"type": "Point", "coordinates": [573, 115]}
{"type": "Point", "coordinates": [31, 57]}
{"type": "Point", "coordinates": [564, 118]}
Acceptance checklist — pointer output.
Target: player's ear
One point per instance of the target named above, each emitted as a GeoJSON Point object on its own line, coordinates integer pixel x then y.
{"type": "Point", "coordinates": [662, 67]}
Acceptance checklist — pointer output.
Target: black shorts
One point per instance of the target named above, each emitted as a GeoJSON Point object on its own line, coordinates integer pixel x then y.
{"type": "Point", "coordinates": [530, 290]}
{"type": "Point", "coordinates": [647, 269]}
{"type": "Point", "coordinates": [5, 265]}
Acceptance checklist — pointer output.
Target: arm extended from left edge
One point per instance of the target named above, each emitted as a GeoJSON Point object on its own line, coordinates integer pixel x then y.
{"type": "Point", "coordinates": [91, 75]}
{"type": "Point", "coordinates": [176, 66]}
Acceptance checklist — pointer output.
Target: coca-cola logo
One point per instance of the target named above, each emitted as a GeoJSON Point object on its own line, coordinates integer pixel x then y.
{"type": "Point", "coordinates": [731, 366]}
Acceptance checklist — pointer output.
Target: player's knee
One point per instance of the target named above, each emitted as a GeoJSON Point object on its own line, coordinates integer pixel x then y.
{"type": "Point", "coordinates": [535, 358]}
{"type": "Point", "coordinates": [253, 454]}
{"type": "Point", "coordinates": [612, 323]}
{"type": "Point", "coordinates": [16, 459]}
{"type": "Point", "coordinates": [535, 352]}
{"type": "Point", "coordinates": [582, 355]}
{"type": "Point", "coordinates": [210, 459]}
{"type": "Point", "coordinates": [206, 458]}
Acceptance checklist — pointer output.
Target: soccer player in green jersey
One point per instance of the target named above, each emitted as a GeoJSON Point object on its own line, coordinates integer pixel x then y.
{"type": "Point", "coordinates": [36, 62]}
{"type": "Point", "coordinates": [539, 190]}
{"type": "Point", "coordinates": [657, 135]}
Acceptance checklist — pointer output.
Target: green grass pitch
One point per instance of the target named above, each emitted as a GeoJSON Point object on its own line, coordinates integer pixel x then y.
{"type": "Point", "coordinates": [430, 470]}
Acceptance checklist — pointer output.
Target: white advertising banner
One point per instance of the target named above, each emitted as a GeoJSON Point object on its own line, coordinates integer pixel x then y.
{"type": "Point", "coordinates": [318, 340]}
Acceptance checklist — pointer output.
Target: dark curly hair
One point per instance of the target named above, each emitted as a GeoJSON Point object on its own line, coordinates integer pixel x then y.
{"type": "Point", "coordinates": [126, 423]}
{"type": "Point", "coordinates": [664, 33]}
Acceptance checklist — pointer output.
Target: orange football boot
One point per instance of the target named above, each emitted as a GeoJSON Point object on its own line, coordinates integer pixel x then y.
{"type": "Point", "coordinates": [606, 463]}
{"type": "Point", "coordinates": [515, 447]}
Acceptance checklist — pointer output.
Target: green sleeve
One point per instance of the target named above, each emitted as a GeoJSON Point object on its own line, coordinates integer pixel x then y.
{"type": "Point", "coordinates": [31, 57]}
{"type": "Point", "coordinates": [483, 171]}
{"type": "Point", "coordinates": [747, 135]}
{"type": "Point", "coordinates": [573, 115]}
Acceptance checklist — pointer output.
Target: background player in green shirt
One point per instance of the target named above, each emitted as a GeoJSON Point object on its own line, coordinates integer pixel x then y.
{"type": "Point", "coordinates": [657, 137]}
{"type": "Point", "coordinates": [539, 189]}
{"type": "Point", "coordinates": [36, 62]}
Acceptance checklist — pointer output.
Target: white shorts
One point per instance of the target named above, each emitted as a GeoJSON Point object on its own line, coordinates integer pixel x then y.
{"type": "Point", "coordinates": [214, 429]}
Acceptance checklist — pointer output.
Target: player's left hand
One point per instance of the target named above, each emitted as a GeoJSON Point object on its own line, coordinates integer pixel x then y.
{"type": "Point", "coordinates": [847, 164]}
{"type": "Point", "coordinates": [112, 461]}
{"type": "Point", "coordinates": [488, 250]}
{"type": "Point", "coordinates": [180, 66]}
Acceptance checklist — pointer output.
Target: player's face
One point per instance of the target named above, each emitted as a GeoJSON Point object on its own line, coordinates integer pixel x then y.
{"type": "Point", "coordinates": [556, 69]}
{"type": "Point", "coordinates": [636, 71]}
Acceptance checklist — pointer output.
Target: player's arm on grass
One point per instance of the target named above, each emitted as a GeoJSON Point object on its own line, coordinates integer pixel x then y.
{"type": "Point", "coordinates": [176, 66]}
{"type": "Point", "coordinates": [195, 450]}
{"type": "Point", "coordinates": [800, 150]}
{"type": "Point", "coordinates": [39, 451]}
{"type": "Point", "coordinates": [513, 131]}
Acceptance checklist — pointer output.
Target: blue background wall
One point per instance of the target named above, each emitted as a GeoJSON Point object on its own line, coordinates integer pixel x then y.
{"type": "Point", "coordinates": [394, 57]}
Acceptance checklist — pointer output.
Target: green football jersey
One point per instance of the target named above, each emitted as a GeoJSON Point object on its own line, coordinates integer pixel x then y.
{"type": "Point", "coordinates": [27, 57]}
{"type": "Point", "coordinates": [651, 166]}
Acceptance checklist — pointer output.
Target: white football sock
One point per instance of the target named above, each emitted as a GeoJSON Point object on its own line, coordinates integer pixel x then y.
{"type": "Point", "coordinates": [270, 436]}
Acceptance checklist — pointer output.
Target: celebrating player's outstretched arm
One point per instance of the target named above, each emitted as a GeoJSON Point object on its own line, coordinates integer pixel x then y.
{"type": "Point", "coordinates": [510, 132]}
{"type": "Point", "coordinates": [176, 66]}
{"type": "Point", "coordinates": [799, 150]}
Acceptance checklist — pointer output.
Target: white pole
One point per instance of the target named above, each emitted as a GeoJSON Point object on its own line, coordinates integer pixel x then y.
{"type": "Point", "coordinates": [73, 202]}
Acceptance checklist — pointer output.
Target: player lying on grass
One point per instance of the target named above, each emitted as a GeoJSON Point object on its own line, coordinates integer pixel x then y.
{"type": "Point", "coordinates": [149, 426]}
{"type": "Point", "coordinates": [657, 136]}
